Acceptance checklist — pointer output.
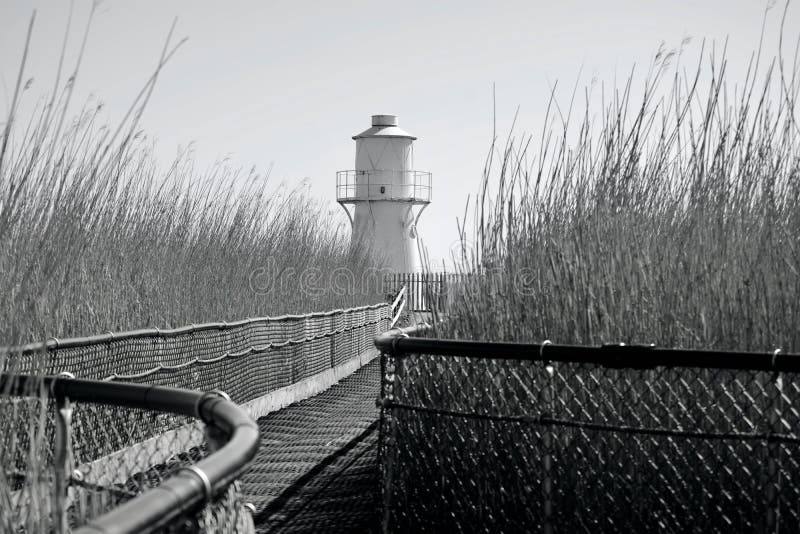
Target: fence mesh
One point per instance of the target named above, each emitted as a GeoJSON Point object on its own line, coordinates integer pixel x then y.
{"type": "Point", "coordinates": [117, 453]}
{"type": "Point", "coordinates": [475, 444]}
{"type": "Point", "coordinates": [114, 457]}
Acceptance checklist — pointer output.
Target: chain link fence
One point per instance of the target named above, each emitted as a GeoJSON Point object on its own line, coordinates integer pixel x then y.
{"type": "Point", "coordinates": [118, 452]}
{"type": "Point", "coordinates": [482, 437]}
{"type": "Point", "coordinates": [50, 491]}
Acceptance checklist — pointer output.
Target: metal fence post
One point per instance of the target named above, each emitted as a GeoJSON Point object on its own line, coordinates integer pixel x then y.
{"type": "Point", "coordinates": [773, 454]}
{"type": "Point", "coordinates": [333, 327]}
{"type": "Point", "coordinates": [547, 443]}
{"type": "Point", "coordinates": [62, 459]}
{"type": "Point", "coordinates": [249, 523]}
{"type": "Point", "coordinates": [389, 369]}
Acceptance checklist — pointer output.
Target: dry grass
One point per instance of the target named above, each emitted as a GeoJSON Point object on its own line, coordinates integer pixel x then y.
{"type": "Point", "coordinates": [94, 237]}
{"type": "Point", "coordinates": [670, 219]}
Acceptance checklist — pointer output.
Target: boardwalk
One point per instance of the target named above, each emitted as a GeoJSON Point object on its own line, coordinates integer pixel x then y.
{"type": "Point", "coordinates": [316, 468]}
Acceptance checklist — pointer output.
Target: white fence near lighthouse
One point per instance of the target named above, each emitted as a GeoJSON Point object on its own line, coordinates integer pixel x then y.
{"type": "Point", "coordinates": [426, 292]}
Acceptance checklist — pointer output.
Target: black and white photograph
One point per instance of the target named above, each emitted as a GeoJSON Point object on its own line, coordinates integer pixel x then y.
{"type": "Point", "coordinates": [457, 266]}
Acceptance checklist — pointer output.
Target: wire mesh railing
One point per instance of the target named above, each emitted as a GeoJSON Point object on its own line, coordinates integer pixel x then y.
{"type": "Point", "coordinates": [118, 451]}
{"type": "Point", "coordinates": [193, 491]}
{"type": "Point", "coordinates": [480, 437]}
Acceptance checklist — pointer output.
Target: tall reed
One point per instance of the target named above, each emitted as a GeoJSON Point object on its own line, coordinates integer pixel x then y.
{"type": "Point", "coordinates": [670, 218]}
{"type": "Point", "coordinates": [95, 236]}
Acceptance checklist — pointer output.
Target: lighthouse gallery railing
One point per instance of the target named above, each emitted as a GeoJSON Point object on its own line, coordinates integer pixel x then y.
{"type": "Point", "coordinates": [355, 186]}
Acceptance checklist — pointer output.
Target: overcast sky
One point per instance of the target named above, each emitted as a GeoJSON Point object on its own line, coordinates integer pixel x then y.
{"type": "Point", "coordinates": [287, 83]}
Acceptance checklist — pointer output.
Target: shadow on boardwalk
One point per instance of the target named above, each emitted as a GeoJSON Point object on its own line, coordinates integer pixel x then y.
{"type": "Point", "coordinates": [316, 468]}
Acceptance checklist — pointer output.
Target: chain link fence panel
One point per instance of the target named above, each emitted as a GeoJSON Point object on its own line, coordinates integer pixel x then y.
{"type": "Point", "coordinates": [473, 443]}
{"type": "Point", "coordinates": [116, 452]}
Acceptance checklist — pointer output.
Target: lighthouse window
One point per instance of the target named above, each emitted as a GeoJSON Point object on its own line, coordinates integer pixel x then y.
{"type": "Point", "coordinates": [383, 190]}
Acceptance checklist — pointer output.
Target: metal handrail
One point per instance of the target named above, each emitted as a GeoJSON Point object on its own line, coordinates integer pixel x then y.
{"type": "Point", "coordinates": [53, 343]}
{"type": "Point", "coordinates": [186, 489]}
{"type": "Point", "coordinates": [610, 355]}
{"type": "Point", "coordinates": [599, 406]}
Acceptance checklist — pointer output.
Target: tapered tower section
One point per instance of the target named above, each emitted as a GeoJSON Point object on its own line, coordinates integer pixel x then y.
{"type": "Point", "coordinates": [384, 196]}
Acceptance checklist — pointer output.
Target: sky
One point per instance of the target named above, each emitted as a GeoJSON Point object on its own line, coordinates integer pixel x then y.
{"type": "Point", "coordinates": [284, 85]}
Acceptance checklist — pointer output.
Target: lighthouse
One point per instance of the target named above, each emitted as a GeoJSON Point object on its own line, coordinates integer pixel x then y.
{"type": "Point", "coordinates": [384, 196]}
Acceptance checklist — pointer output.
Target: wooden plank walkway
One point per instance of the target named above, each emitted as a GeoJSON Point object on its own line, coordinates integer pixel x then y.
{"type": "Point", "coordinates": [316, 468]}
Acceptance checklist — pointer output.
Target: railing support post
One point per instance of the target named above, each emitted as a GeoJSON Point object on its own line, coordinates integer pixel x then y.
{"type": "Point", "coordinates": [332, 328]}
{"type": "Point", "coordinates": [547, 443]}
{"type": "Point", "coordinates": [62, 460]}
{"type": "Point", "coordinates": [774, 465]}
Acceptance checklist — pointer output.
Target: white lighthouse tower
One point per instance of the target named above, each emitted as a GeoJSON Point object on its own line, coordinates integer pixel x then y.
{"type": "Point", "coordinates": [386, 193]}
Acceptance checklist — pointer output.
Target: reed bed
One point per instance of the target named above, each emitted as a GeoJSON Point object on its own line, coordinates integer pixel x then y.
{"type": "Point", "coordinates": [670, 218]}
{"type": "Point", "coordinates": [96, 236]}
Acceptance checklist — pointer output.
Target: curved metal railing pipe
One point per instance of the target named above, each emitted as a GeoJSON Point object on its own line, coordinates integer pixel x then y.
{"type": "Point", "coordinates": [385, 341]}
{"type": "Point", "coordinates": [188, 488]}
